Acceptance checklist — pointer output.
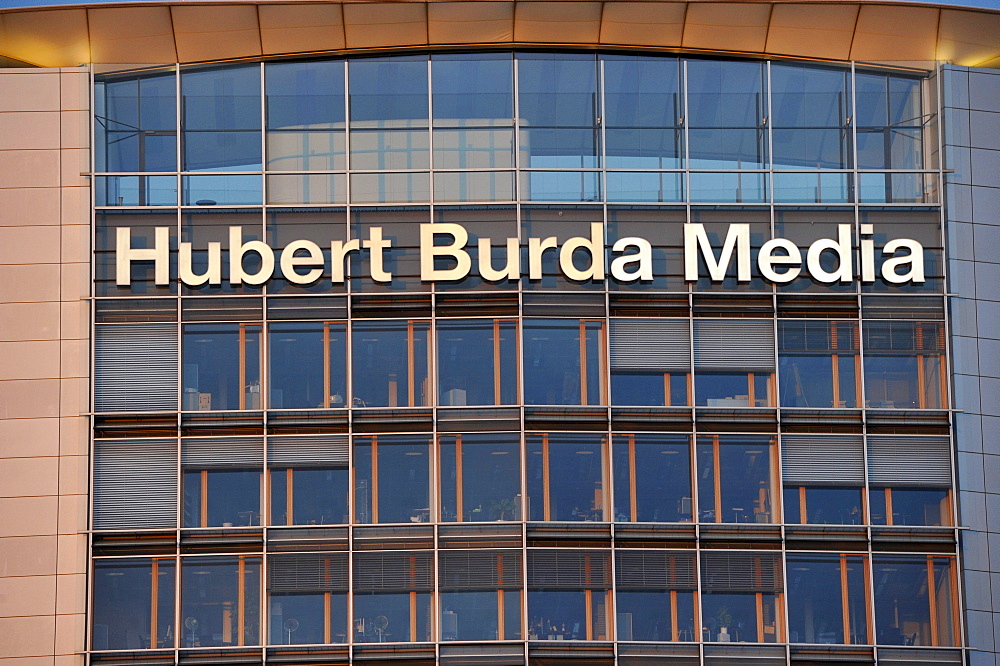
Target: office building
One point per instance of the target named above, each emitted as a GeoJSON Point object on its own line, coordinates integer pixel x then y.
{"type": "Point", "coordinates": [542, 333]}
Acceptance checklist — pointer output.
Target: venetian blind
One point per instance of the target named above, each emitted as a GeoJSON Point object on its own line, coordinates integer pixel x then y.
{"type": "Point", "coordinates": [822, 460]}
{"type": "Point", "coordinates": [743, 345]}
{"type": "Point", "coordinates": [135, 483]}
{"type": "Point", "coordinates": [654, 570]}
{"type": "Point", "coordinates": [479, 569]}
{"type": "Point", "coordinates": [305, 451]}
{"type": "Point", "coordinates": [650, 344]}
{"type": "Point", "coordinates": [308, 572]}
{"type": "Point", "coordinates": [406, 572]}
{"type": "Point", "coordinates": [569, 569]}
{"type": "Point", "coordinates": [910, 461]}
{"type": "Point", "coordinates": [731, 571]}
{"type": "Point", "coordinates": [222, 452]}
{"type": "Point", "coordinates": [135, 368]}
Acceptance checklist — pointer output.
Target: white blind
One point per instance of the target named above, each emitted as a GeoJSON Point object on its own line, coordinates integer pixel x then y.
{"type": "Point", "coordinates": [809, 460]}
{"type": "Point", "coordinates": [135, 368]}
{"type": "Point", "coordinates": [135, 483]}
{"type": "Point", "coordinates": [222, 452]}
{"type": "Point", "coordinates": [910, 461]}
{"type": "Point", "coordinates": [734, 345]}
{"type": "Point", "coordinates": [306, 451]}
{"type": "Point", "coordinates": [650, 344]}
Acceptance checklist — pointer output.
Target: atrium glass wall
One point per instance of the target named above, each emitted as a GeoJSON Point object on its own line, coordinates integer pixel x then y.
{"type": "Point", "coordinates": [559, 457]}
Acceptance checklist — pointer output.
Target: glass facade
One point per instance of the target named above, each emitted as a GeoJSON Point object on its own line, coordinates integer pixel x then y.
{"type": "Point", "coordinates": [518, 466]}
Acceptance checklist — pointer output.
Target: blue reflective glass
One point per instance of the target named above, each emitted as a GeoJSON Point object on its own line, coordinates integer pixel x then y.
{"type": "Point", "coordinates": [643, 148]}
{"type": "Point", "coordinates": [135, 191]}
{"type": "Point", "coordinates": [123, 606]}
{"type": "Point", "coordinates": [305, 95]}
{"type": "Point", "coordinates": [645, 186]}
{"type": "Point", "coordinates": [557, 90]}
{"type": "Point", "coordinates": [725, 94]}
{"type": "Point", "coordinates": [226, 98]}
{"type": "Point", "coordinates": [641, 92]}
{"type": "Point", "coordinates": [136, 124]}
{"type": "Point", "coordinates": [817, 187]}
{"type": "Point", "coordinates": [809, 97]}
{"type": "Point", "coordinates": [473, 89]}
{"type": "Point", "coordinates": [721, 187]}
{"type": "Point", "coordinates": [229, 190]}
{"type": "Point", "coordinates": [560, 186]}
{"type": "Point", "coordinates": [389, 91]}
{"type": "Point", "coordinates": [221, 119]}
{"type": "Point", "coordinates": [728, 148]}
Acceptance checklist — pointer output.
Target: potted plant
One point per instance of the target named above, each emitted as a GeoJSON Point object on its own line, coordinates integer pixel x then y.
{"type": "Point", "coordinates": [724, 620]}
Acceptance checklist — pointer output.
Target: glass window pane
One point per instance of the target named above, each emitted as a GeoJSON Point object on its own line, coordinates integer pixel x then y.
{"type": "Point", "coordinates": [560, 186]}
{"type": "Point", "coordinates": [914, 602]}
{"type": "Point", "coordinates": [221, 366]}
{"type": "Point", "coordinates": [562, 361]}
{"type": "Point", "coordinates": [725, 93]}
{"type": "Point", "coordinates": [641, 91]}
{"type": "Point", "coordinates": [904, 365]}
{"type": "Point", "coordinates": [308, 365]}
{"type": "Point", "coordinates": [827, 599]}
{"type": "Point", "coordinates": [727, 148]}
{"type": "Point", "coordinates": [557, 90]}
{"type": "Point", "coordinates": [809, 97]}
{"type": "Point", "coordinates": [644, 148]}
{"type": "Point", "coordinates": [392, 479]}
{"type": "Point", "coordinates": [221, 118]}
{"type": "Point", "coordinates": [391, 363]}
{"type": "Point", "coordinates": [220, 601]}
{"type": "Point", "coordinates": [472, 90]}
{"type": "Point", "coordinates": [305, 95]}
{"type": "Point", "coordinates": [133, 606]}
{"type": "Point", "coordinates": [236, 190]}
{"type": "Point", "coordinates": [735, 477]}
{"type": "Point", "coordinates": [818, 363]}
{"type": "Point", "coordinates": [480, 477]}
{"type": "Point", "coordinates": [477, 362]}
{"type": "Point", "coordinates": [136, 120]}
{"type": "Point", "coordinates": [135, 191]}
{"type": "Point", "coordinates": [566, 476]}
{"type": "Point", "coordinates": [388, 92]}
{"type": "Point", "coordinates": [300, 618]}
{"type": "Point", "coordinates": [464, 186]}
{"type": "Point", "coordinates": [652, 478]}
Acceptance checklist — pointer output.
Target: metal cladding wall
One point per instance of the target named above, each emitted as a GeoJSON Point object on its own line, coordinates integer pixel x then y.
{"type": "Point", "coordinates": [971, 104]}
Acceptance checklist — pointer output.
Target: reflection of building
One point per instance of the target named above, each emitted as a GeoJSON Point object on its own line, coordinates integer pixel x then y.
{"type": "Point", "coordinates": [539, 471]}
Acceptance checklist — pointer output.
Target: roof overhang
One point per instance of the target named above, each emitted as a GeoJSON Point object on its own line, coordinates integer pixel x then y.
{"type": "Point", "coordinates": [156, 33]}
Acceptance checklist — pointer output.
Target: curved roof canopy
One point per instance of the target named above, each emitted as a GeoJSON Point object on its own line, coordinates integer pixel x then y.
{"type": "Point", "coordinates": [148, 33]}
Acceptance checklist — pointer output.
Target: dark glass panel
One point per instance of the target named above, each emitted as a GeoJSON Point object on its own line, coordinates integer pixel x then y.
{"type": "Point", "coordinates": [735, 479]}
{"type": "Point", "coordinates": [557, 89]}
{"type": "Point", "coordinates": [827, 599]}
{"type": "Point", "coordinates": [480, 477]}
{"type": "Point", "coordinates": [143, 227]}
{"type": "Point", "coordinates": [318, 493]}
{"type": "Point", "coordinates": [817, 363]}
{"type": "Point", "coordinates": [221, 366]}
{"type": "Point", "coordinates": [392, 479]}
{"type": "Point", "coordinates": [734, 617]}
{"type": "Point", "coordinates": [566, 476]}
{"type": "Point", "coordinates": [308, 365]}
{"type": "Point", "coordinates": [911, 506]}
{"type": "Point", "coordinates": [391, 361]}
{"type": "Point", "coordinates": [221, 118]}
{"type": "Point", "coordinates": [652, 478]}
{"type": "Point", "coordinates": [563, 361]}
{"type": "Point", "coordinates": [297, 618]}
{"type": "Point", "coordinates": [904, 365]}
{"type": "Point", "coordinates": [133, 606]}
{"type": "Point", "coordinates": [382, 617]}
{"type": "Point", "coordinates": [824, 505]}
{"type": "Point", "coordinates": [477, 362]}
{"type": "Point", "coordinates": [221, 497]}
{"type": "Point", "coordinates": [914, 600]}
{"type": "Point", "coordinates": [220, 601]}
